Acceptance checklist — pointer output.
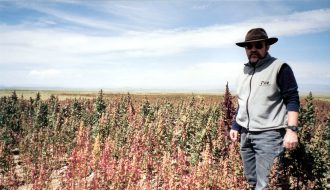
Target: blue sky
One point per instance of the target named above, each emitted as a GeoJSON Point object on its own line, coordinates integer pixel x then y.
{"type": "Point", "coordinates": [156, 45]}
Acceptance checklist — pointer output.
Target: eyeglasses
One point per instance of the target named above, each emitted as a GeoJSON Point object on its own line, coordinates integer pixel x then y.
{"type": "Point", "coordinates": [258, 45]}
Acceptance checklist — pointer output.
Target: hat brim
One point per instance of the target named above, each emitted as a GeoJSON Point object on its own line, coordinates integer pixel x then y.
{"type": "Point", "coordinates": [269, 41]}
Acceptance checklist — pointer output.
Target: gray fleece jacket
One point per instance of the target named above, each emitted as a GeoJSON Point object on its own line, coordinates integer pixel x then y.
{"type": "Point", "coordinates": [261, 106]}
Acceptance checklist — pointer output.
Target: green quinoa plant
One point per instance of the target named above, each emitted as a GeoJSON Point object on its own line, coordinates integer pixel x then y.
{"type": "Point", "coordinates": [308, 164]}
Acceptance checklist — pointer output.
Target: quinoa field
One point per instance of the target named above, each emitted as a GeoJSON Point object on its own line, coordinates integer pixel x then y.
{"type": "Point", "coordinates": [68, 140]}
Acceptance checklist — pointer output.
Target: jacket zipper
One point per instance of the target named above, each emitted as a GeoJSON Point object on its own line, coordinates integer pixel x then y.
{"type": "Point", "coordinates": [247, 101]}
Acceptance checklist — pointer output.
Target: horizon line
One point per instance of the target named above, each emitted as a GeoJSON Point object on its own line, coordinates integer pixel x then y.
{"type": "Point", "coordinates": [146, 90]}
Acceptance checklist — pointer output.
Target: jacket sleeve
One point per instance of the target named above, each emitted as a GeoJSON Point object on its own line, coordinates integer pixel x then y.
{"type": "Point", "coordinates": [289, 88]}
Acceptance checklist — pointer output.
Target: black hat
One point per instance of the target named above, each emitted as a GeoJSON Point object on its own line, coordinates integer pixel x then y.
{"type": "Point", "coordinates": [255, 35]}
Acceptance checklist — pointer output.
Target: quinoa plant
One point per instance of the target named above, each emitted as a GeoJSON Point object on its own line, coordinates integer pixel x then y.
{"type": "Point", "coordinates": [41, 117]}
{"type": "Point", "coordinates": [10, 128]}
{"type": "Point", "coordinates": [228, 110]}
{"type": "Point", "coordinates": [100, 104]}
{"type": "Point", "coordinates": [308, 164]}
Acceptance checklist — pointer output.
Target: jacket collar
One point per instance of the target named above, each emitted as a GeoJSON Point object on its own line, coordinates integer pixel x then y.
{"type": "Point", "coordinates": [266, 59]}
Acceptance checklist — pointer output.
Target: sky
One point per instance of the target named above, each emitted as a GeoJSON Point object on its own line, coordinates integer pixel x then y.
{"type": "Point", "coordinates": [161, 45]}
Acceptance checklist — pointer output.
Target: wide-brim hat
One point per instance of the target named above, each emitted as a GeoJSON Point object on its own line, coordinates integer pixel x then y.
{"type": "Point", "coordinates": [255, 35]}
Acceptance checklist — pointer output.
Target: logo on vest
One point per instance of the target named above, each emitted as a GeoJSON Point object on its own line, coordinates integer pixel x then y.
{"type": "Point", "coordinates": [264, 83]}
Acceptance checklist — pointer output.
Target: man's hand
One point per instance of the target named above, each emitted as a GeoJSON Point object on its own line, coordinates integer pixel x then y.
{"type": "Point", "coordinates": [290, 140]}
{"type": "Point", "coordinates": [233, 135]}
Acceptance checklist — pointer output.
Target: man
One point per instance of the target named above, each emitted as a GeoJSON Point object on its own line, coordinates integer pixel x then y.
{"type": "Point", "coordinates": [268, 104]}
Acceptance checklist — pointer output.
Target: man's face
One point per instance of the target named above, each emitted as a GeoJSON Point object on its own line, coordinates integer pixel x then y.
{"type": "Point", "coordinates": [256, 51]}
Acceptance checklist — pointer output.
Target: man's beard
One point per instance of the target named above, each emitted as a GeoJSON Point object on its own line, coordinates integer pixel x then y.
{"type": "Point", "coordinates": [255, 54]}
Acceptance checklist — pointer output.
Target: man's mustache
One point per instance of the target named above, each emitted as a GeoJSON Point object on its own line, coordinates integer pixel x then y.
{"type": "Point", "coordinates": [255, 53]}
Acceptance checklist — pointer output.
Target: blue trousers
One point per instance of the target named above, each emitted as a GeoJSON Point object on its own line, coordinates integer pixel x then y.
{"type": "Point", "coordinates": [258, 151]}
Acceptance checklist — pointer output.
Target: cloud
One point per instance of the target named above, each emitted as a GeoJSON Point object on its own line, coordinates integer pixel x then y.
{"type": "Point", "coordinates": [287, 25]}
{"type": "Point", "coordinates": [127, 15]}
{"type": "Point", "coordinates": [307, 73]}
{"type": "Point", "coordinates": [103, 54]}
{"type": "Point", "coordinates": [46, 73]}
{"type": "Point", "coordinates": [202, 75]}
{"type": "Point", "coordinates": [163, 42]}
{"type": "Point", "coordinates": [299, 22]}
